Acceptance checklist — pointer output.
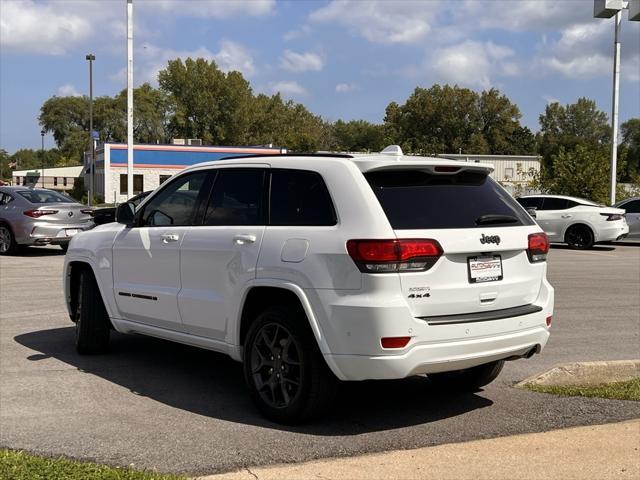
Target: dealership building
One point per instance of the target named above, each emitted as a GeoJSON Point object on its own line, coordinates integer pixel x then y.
{"type": "Point", "coordinates": [153, 164]}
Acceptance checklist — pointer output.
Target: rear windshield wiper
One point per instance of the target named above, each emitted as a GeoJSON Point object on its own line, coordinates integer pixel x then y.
{"type": "Point", "coordinates": [495, 219]}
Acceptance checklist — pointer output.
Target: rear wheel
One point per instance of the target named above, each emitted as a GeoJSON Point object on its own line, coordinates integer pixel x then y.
{"type": "Point", "coordinates": [285, 372]}
{"type": "Point", "coordinates": [469, 379]}
{"type": "Point", "coordinates": [92, 321]}
{"type": "Point", "coordinates": [579, 237]}
{"type": "Point", "coordinates": [8, 245]}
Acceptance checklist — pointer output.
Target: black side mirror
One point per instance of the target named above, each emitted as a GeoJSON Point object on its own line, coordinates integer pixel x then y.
{"type": "Point", "coordinates": [532, 211]}
{"type": "Point", "coordinates": [126, 213]}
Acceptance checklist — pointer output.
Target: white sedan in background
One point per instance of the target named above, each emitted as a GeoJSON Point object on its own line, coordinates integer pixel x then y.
{"type": "Point", "coordinates": [575, 221]}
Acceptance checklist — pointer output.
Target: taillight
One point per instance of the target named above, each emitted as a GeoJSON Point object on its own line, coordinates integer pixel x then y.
{"type": "Point", "coordinates": [394, 342]}
{"type": "Point", "coordinates": [443, 169]}
{"type": "Point", "coordinates": [384, 256]}
{"type": "Point", "coordinates": [538, 247]}
{"type": "Point", "coordinates": [612, 217]}
{"type": "Point", "coordinates": [39, 213]}
{"type": "Point", "coordinates": [88, 211]}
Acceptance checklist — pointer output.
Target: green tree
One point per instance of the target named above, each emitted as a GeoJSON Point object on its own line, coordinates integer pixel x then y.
{"type": "Point", "coordinates": [358, 136]}
{"type": "Point", "coordinates": [28, 158]}
{"type": "Point", "coordinates": [5, 164]}
{"type": "Point", "coordinates": [446, 119]}
{"type": "Point", "coordinates": [569, 126]}
{"type": "Point", "coordinates": [629, 148]}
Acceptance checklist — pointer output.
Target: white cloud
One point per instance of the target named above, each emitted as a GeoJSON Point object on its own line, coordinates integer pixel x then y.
{"type": "Point", "coordinates": [40, 28]}
{"type": "Point", "coordinates": [301, 62]}
{"type": "Point", "coordinates": [399, 21]}
{"type": "Point", "coordinates": [150, 59]}
{"type": "Point", "coordinates": [288, 88]}
{"type": "Point", "coordinates": [211, 8]}
{"type": "Point", "coordinates": [346, 87]}
{"type": "Point", "coordinates": [471, 63]}
{"type": "Point", "coordinates": [584, 51]}
{"type": "Point", "coordinates": [68, 90]}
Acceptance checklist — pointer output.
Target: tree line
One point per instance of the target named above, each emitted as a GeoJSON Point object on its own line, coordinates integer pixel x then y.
{"type": "Point", "coordinates": [195, 99]}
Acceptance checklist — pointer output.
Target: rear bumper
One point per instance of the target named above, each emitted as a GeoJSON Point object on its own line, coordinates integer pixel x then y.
{"type": "Point", "coordinates": [46, 233]}
{"type": "Point", "coordinates": [614, 232]}
{"type": "Point", "coordinates": [355, 353]}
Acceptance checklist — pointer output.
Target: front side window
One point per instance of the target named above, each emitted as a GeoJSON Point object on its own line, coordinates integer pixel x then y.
{"type": "Point", "coordinates": [632, 207]}
{"type": "Point", "coordinates": [177, 203]}
{"type": "Point", "coordinates": [300, 198]}
{"type": "Point", "coordinates": [236, 198]}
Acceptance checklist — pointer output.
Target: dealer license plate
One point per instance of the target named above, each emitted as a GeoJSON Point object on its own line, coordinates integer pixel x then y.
{"type": "Point", "coordinates": [485, 268]}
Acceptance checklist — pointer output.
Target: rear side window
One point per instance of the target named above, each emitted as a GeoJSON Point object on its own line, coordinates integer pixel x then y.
{"type": "Point", "coordinates": [415, 199]}
{"type": "Point", "coordinates": [551, 203]}
{"type": "Point", "coordinates": [236, 198]}
{"type": "Point", "coordinates": [300, 198]}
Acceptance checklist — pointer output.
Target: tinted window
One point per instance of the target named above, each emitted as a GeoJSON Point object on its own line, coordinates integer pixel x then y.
{"type": "Point", "coordinates": [551, 203]}
{"type": "Point", "coordinates": [138, 183]}
{"type": "Point", "coordinates": [300, 198]}
{"type": "Point", "coordinates": [236, 198]}
{"type": "Point", "coordinates": [45, 196]}
{"type": "Point", "coordinates": [530, 202]}
{"type": "Point", "coordinates": [632, 207]}
{"type": "Point", "coordinates": [5, 198]}
{"type": "Point", "coordinates": [414, 199]}
{"type": "Point", "coordinates": [176, 203]}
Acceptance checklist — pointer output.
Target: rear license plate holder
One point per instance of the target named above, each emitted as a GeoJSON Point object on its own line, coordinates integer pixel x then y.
{"type": "Point", "coordinates": [484, 268]}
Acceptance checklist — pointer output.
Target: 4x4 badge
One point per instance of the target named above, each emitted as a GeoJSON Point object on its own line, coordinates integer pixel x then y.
{"type": "Point", "coordinates": [490, 239]}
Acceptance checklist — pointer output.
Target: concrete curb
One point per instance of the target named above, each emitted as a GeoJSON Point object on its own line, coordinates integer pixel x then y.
{"type": "Point", "coordinates": [607, 452]}
{"type": "Point", "coordinates": [586, 373]}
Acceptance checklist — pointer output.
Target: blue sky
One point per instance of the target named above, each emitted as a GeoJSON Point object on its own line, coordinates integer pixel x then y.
{"type": "Point", "coordinates": [342, 59]}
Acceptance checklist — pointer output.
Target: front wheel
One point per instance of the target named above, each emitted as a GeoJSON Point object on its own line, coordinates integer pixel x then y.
{"type": "Point", "coordinates": [92, 322]}
{"type": "Point", "coordinates": [469, 379]}
{"type": "Point", "coordinates": [579, 237]}
{"type": "Point", "coordinates": [284, 370]}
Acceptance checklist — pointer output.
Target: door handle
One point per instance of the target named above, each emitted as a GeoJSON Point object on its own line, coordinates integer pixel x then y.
{"type": "Point", "coordinates": [243, 239]}
{"type": "Point", "coordinates": [169, 237]}
{"type": "Point", "coordinates": [567, 216]}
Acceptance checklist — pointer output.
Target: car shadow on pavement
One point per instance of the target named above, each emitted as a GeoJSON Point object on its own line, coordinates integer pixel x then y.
{"type": "Point", "coordinates": [211, 384]}
{"type": "Point", "coordinates": [39, 252]}
{"type": "Point", "coordinates": [595, 248]}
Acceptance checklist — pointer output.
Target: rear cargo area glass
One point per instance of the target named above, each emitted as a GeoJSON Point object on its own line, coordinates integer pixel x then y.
{"type": "Point", "coordinates": [416, 199]}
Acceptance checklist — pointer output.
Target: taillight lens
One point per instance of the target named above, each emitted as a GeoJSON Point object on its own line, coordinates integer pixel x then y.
{"type": "Point", "coordinates": [39, 213]}
{"type": "Point", "coordinates": [538, 247]}
{"type": "Point", "coordinates": [385, 256]}
{"type": "Point", "coordinates": [612, 217]}
{"type": "Point", "coordinates": [87, 211]}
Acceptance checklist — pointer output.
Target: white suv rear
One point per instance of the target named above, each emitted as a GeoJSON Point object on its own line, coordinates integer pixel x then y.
{"type": "Point", "coordinates": [314, 268]}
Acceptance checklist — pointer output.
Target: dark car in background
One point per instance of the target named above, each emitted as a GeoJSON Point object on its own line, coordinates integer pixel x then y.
{"type": "Point", "coordinates": [108, 214]}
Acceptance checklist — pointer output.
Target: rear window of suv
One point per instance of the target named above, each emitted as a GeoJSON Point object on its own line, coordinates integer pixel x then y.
{"type": "Point", "coordinates": [415, 199]}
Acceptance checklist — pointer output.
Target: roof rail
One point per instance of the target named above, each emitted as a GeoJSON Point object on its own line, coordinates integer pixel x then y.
{"type": "Point", "coordinates": [268, 155]}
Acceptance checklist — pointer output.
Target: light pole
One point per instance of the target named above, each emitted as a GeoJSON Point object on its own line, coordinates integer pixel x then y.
{"type": "Point", "coordinates": [42, 132]}
{"type": "Point", "coordinates": [608, 9]}
{"type": "Point", "coordinates": [91, 57]}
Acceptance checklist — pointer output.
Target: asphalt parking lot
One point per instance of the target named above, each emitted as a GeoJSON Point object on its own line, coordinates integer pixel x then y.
{"type": "Point", "coordinates": [173, 408]}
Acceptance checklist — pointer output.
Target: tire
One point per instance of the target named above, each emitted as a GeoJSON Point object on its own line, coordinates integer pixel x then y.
{"type": "Point", "coordinates": [579, 237]}
{"type": "Point", "coordinates": [8, 245]}
{"type": "Point", "coordinates": [64, 247]}
{"type": "Point", "coordinates": [470, 379]}
{"type": "Point", "coordinates": [92, 322]}
{"type": "Point", "coordinates": [285, 372]}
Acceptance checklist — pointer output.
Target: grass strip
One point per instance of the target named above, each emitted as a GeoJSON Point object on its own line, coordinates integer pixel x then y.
{"type": "Point", "coordinates": [629, 390]}
{"type": "Point", "coordinates": [18, 465]}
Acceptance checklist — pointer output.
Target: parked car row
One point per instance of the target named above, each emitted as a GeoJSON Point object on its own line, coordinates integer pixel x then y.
{"type": "Point", "coordinates": [578, 222]}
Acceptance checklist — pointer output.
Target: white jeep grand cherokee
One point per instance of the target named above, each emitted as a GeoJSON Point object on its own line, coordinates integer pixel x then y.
{"type": "Point", "coordinates": [313, 268]}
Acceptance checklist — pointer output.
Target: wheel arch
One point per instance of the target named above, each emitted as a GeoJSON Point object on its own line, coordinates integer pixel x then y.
{"type": "Point", "coordinates": [259, 296]}
{"type": "Point", "coordinates": [72, 281]}
{"type": "Point", "coordinates": [581, 223]}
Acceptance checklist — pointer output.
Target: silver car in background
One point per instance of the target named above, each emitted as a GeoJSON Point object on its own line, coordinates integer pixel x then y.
{"type": "Point", "coordinates": [632, 214]}
{"type": "Point", "coordinates": [37, 216]}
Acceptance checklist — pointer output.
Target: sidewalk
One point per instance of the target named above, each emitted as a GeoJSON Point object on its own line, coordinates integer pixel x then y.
{"type": "Point", "coordinates": [600, 452]}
